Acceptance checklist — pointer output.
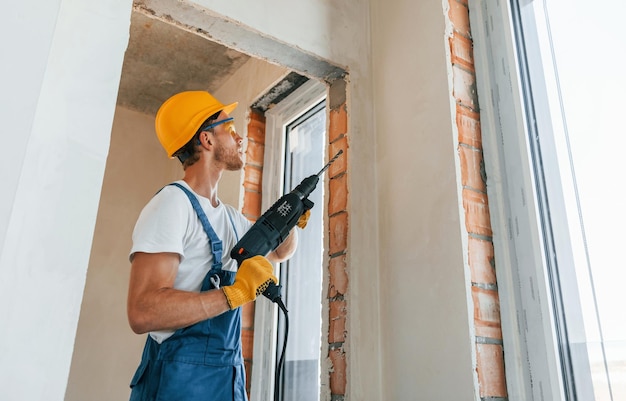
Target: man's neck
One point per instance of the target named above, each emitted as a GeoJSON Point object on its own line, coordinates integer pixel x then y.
{"type": "Point", "coordinates": [204, 180]}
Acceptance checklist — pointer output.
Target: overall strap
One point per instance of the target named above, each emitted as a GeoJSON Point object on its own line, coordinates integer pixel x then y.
{"type": "Point", "coordinates": [215, 243]}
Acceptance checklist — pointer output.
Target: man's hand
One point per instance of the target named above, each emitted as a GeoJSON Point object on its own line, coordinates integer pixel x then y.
{"type": "Point", "coordinates": [304, 219]}
{"type": "Point", "coordinates": [253, 277]}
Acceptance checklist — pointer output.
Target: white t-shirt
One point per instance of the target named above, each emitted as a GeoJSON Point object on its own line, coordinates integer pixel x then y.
{"type": "Point", "coordinates": [169, 223]}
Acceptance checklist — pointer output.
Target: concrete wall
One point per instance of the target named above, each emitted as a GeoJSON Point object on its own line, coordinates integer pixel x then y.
{"type": "Point", "coordinates": [59, 77]}
{"type": "Point", "coordinates": [424, 315]}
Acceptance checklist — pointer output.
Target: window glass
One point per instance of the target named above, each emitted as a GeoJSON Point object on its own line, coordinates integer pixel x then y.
{"type": "Point", "coordinates": [573, 51]}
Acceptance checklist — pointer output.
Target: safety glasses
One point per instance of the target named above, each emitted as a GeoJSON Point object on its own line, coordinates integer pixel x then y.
{"type": "Point", "coordinates": [215, 124]}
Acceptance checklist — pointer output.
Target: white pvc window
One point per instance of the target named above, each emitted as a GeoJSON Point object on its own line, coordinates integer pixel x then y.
{"type": "Point", "coordinates": [584, 107]}
{"type": "Point", "coordinates": [302, 274]}
{"type": "Point", "coordinates": [551, 114]}
{"type": "Point", "coordinates": [295, 148]}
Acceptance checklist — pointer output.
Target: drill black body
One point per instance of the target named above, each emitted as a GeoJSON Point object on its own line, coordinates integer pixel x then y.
{"type": "Point", "coordinates": [273, 227]}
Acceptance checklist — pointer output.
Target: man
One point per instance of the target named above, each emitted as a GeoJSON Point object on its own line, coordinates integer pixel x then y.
{"type": "Point", "coordinates": [184, 290]}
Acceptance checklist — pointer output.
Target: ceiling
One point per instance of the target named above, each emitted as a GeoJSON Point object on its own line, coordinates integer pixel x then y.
{"type": "Point", "coordinates": [162, 59]}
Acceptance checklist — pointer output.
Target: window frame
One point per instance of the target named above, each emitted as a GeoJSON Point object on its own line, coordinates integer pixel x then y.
{"type": "Point", "coordinates": [524, 247]}
{"type": "Point", "coordinates": [266, 314]}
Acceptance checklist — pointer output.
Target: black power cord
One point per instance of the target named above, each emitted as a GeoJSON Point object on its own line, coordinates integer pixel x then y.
{"type": "Point", "coordinates": [281, 361]}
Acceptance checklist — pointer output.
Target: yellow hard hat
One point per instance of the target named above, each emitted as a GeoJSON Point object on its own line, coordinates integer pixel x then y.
{"type": "Point", "coordinates": [180, 117]}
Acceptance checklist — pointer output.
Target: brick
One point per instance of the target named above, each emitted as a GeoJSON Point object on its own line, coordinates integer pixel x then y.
{"type": "Point", "coordinates": [252, 207]}
{"type": "Point", "coordinates": [468, 125]}
{"type": "Point", "coordinates": [337, 93]}
{"type": "Point", "coordinates": [338, 283]}
{"type": "Point", "coordinates": [486, 313]}
{"type": "Point", "coordinates": [255, 153]}
{"type": "Point", "coordinates": [341, 164]}
{"type": "Point", "coordinates": [247, 342]}
{"type": "Point", "coordinates": [337, 372]}
{"type": "Point", "coordinates": [256, 116]}
{"type": "Point", "coordinates": [253, 178]}
{"type": "Point", "coordinates": [472, 168]}
{"type": "Point", "coordinates": [337, 322]}
{"type": "Point", "coordinates": [481, 261]}
{"type": "Point", "coordinates": [338, 194]}
{"type": "Point", "coordinates": [490, 369]}
{"type": "Point", "coordinates": [251, 204]}
{"type": "Point", "coordinates": [462, 52]}
{"type": "Point", "coordinates": [338, 230]}
{"type": "Point", "coordinates": [464, 87]}
{"type": "Point", "coordinates": [338, 123]}
{"type": "Point", "coordinates": [459, 17]}
{"type": "Point", "coordinates": [477, 218]}
{"type": "Point", "coordinates": [247, 316]}
{"type": "Point", "coordinates": [256, 128]}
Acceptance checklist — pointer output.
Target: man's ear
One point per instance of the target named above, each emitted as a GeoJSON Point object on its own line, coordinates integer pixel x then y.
{"type": "Point", "coordinates": [205, 139]}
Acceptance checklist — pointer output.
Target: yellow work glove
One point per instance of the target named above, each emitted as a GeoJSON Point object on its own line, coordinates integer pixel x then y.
{"type": "Point", "coordinates": [252, 278]}
{"type": "Point", "coordinates": [304, 219]}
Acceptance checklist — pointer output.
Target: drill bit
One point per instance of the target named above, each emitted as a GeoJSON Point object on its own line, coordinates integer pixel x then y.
{"type": "Point", "coordinates": [330, 162]}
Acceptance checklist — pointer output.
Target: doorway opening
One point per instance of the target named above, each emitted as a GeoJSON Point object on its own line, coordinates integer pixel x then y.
{"type": "Point", "coordinates": [106, 351]}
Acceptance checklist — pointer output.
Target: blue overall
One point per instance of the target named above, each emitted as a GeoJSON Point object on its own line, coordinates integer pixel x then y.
{"type": "Point", "coordinates": [202, 361]}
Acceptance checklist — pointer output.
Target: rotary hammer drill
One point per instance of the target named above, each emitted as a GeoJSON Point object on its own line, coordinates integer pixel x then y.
{"type": "Point", "coordinates": [271, 229]}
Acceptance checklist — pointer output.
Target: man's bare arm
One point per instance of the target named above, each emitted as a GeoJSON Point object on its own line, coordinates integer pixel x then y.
{"type": "Point", "coordinates": [153, 304]}
{"type": "Point", "coordinates": [285, 250]}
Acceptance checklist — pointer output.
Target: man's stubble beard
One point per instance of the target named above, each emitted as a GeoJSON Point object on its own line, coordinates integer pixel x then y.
{"type": "Point", "coordinates": [230, 158]}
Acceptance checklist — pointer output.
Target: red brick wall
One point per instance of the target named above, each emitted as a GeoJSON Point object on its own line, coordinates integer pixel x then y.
{"type": "Point", "coordinates": [337, 240]}
{"type": "Point", "coordinates": [488, 338]}
{"type": "Point", "coordinates": [252, 184]}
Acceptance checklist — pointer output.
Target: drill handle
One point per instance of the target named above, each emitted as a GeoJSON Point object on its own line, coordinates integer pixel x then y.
{"type": "Point", "coordinates": [307, 204]}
